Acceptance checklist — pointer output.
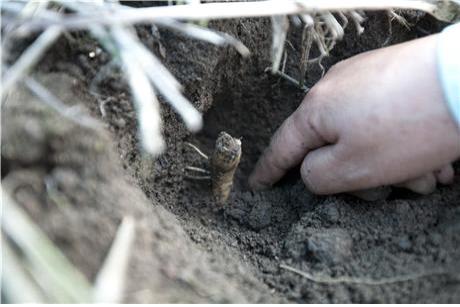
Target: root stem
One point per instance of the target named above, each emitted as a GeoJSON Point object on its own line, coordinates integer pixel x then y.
{"type": "Point", "coordinates": [224, 162]}
{"type": "Point", "coordinates": [362, 280]}
{"type": "Point", "coordinates": [198, 151]}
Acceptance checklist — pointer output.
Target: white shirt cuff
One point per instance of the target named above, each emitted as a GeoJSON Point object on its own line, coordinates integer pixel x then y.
{"type": "Point", "coordinates": [449, 68]}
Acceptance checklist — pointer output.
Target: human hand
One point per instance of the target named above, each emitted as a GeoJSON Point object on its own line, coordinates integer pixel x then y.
{"type": "Point", "coordinates": [375, 119]}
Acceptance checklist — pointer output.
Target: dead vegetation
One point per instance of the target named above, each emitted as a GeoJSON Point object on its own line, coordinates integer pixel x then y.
{"type": "Point", "coordinates": [112, 25]}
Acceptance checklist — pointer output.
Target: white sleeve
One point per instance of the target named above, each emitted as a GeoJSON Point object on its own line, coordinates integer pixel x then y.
{"type": "Point", "coordinates": [449, 68]}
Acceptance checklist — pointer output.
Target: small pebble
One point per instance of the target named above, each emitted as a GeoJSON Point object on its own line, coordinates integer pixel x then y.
{"type": "Point", "coordinates": [404, 243]}
{"type": "Point", "coordinates": [403, 208]}
{"type": "Point", "coordinates": [120, 122]}
{"type": "Point", "coordinates": [331, 246]}
{"type": "Point", "coordinates": [260, 216]}
{"type": "Point", "coordinates": [331, 213]}
{"type": "Point", "coordinates": [436, 239]}
{"type": "Point", "coordinates": [421, 240]}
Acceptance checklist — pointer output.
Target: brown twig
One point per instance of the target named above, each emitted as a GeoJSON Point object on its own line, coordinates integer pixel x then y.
{"type": "Point", "coordinates": [307, 40]}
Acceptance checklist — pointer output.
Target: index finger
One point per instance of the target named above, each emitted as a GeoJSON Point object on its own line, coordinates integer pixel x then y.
{"type": "Point", "coordinates": [289, 145]}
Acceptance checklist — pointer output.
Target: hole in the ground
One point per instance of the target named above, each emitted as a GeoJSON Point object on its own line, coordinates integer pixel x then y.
{"type": "Point", "coordinates": [249, 217]}
{"type": "Point", "coordinates": [250, 115]}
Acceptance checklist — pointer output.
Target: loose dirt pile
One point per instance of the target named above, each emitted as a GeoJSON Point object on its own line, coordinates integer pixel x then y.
{"type": "Point", "coordinates": [78, 184]}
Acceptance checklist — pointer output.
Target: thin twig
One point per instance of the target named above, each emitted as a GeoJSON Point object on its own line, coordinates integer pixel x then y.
{"type": "Point", "coordinates": [360, 280]}
{"type": "Point", "coordinates": [307, 40]}
{"type": "Point", "coordinates": [333, 25]}
{"type": "Point", "coordinates": [344, 19]}
{"type": "Point", "coordinates": [197, 150]}
{"type": "Point", "coordinates": [403, 21]}
{"type": "Point", "coordinates": [196, 169]}
{"type": "Point", "coordinates": [358, 20]}
{"type": "Point", "coordinates": [288, 78]}
{"type": "Point", "coordinates": [285, 57]}
{"type": "Point", "coordinates": [197, 177]}
{"type": "Point", "coordinates": [280, 25]}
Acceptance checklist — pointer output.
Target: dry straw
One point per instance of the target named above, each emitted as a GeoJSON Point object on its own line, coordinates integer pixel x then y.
{"type": "Point", "coordinates": [111, 24]}
{"type": "Point", "coordinates": [110, 281]}
{"type": "Point", "coordinates": [35, 270]}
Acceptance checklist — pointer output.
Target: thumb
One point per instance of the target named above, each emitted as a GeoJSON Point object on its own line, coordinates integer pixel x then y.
{"type": "Point", "coordinates": [322, 171]}
{"type": "Point", "coordinates": [334, 169]}
{"type": "Point", "coordinates": [288, 147]}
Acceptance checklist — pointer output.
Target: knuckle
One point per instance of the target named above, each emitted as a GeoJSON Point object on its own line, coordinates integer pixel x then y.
{"type": "Point", "coordinates": [317, 108]}
{"type": "Point", "coordinates": [273, 161]}
{"type": "Point", "coordinates": [314, 118]}
{"type": "Point", "coordinates": [308, 177]}
{"type": "Point", "coordinates": [316, 121]}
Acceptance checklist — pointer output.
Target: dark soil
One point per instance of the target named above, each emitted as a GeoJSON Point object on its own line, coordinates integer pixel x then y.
{"type": "Point", "coordinates": [77, 184]}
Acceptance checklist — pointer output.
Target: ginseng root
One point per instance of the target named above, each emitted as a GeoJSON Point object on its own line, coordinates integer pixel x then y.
{"type": "Point", "coordinates": [224, 162]}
